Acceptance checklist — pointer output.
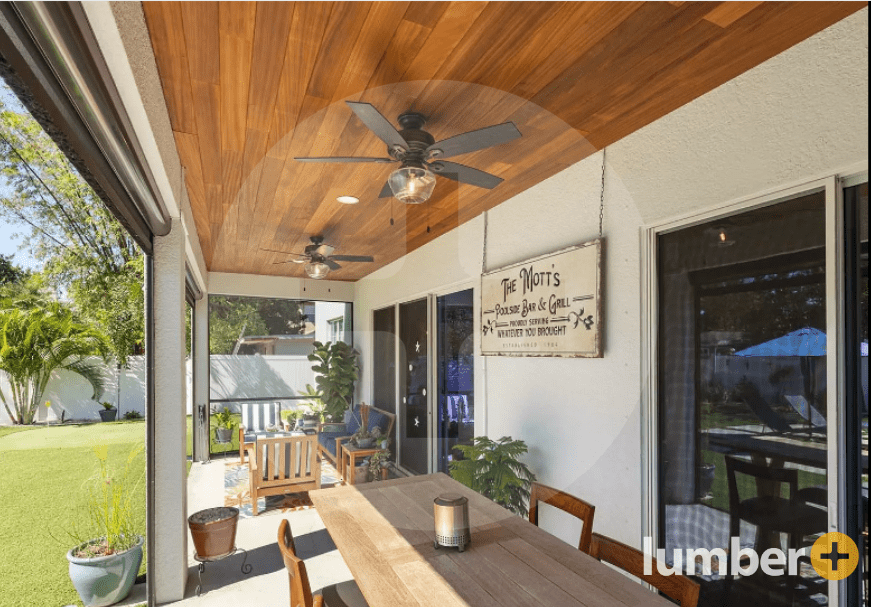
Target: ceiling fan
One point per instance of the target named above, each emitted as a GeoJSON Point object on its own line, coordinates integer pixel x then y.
{"type": "Point", "coordinates": [319, 259]}
{"type": "Point", "coordinates": [420, 154]}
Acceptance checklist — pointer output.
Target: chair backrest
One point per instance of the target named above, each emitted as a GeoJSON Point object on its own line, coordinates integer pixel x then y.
{"type": "Point", "coordinates": [257, 417]}
{"type": "Point", "coordinates": [763, 475]}
{"type": "Point", "coordinates": [297, 577]}
{"type": "Point", "coordinates": [286, 460]}
{"type": "Point", "coordinates": [676, 587]}
{"type": "Point", "coordinates": [569, 503]}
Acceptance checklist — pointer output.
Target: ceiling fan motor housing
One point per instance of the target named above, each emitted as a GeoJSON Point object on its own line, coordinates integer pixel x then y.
{"type": "Point", "coordinates": [418, 140]}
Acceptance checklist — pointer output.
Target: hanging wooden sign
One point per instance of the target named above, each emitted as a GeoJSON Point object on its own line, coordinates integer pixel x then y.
{"type": "Point", "coordinates": [546, 306]}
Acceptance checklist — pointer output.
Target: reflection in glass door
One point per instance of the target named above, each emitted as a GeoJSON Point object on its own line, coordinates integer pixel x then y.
{"type": "Point", "coordinates": [455, 375]}
{"type": "Point", "coordinates": [413, 448]}
{"type": "Point", "coordinates": [742, 395]}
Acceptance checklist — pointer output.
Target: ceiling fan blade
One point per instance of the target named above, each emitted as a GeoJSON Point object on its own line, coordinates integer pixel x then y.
{"type": "Point", "coordinates": [360, 258]}
{"type": "Point", "coordinates": [283, 252]}
{"type": "Point", "coordinates": [344, 159]}
{"type": "Point", "coordinates": [464, 174]}
{"type": "Point", "coordinates": [324, 250]}
{"type": "Point", "coordinates": [378, 124]}
{"type": "Point", "coordinates": [276, 263]}
{"type": "Point", "coordinates": [332, 264]}
{"type": "Point", "coordinates": [475, 140]}
{"type": "Point", "coordinates": [386, 192]}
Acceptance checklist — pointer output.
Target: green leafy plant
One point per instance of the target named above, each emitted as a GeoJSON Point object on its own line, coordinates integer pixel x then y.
{"type": "Point", "coordinates": [34, 343]}
{"type": "Point", "coordinates": [314, 403]}
{"type": "Point", "coordinates": [132, 415]}
{"type": "Point", "coordinates": [378, 460]}
{"type": "Point", "coordinates": [492, 469]}
{"type": "Point", "coordinates": [108, 406]}
{"type": "Point", "coordinates": [337, 371]}
{"type": "Point", "coordinates": [110, 528]}
{"type": "Point", "coordinates": [224, 419]}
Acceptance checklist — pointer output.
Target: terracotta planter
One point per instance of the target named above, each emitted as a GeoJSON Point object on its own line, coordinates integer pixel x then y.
{"type": "Point", "coordinates": [214, 531]}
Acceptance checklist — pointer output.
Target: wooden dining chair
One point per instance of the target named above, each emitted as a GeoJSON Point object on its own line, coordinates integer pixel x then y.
{"type": "Point", "coordinates": [569, 503]}
{"type": "Point", "coordinates": [676, 587]}
{"type": "Point", "coordinates": [346, 594]}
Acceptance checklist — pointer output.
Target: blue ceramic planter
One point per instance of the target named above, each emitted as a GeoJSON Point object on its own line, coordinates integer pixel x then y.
{"type": "Point", "coordinates": [105, 580]}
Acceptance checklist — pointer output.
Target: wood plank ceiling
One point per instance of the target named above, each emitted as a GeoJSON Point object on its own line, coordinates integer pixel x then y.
{"type": "Point", "coordinates": [250, 85]}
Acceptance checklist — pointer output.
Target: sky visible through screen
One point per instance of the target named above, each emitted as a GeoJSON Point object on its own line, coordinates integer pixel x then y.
{"type": "Point", "coordinates": [10, 244]}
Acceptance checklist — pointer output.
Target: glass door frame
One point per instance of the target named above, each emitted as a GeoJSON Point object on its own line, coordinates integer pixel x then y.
{"type": "Point", "coordinates": [432, 369]}
{"type": "Point", "coordinates": [833, 186]}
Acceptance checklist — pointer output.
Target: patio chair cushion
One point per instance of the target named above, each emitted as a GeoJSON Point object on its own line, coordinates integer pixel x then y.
{"type": "Point", "coordinates": [257, 417]}
{"type": "Point", "coordinates": [328, 440]}
{"type": "Point", "coordinates": [378, 420]}
{"type": "Point", "coordinates": [294, 467]}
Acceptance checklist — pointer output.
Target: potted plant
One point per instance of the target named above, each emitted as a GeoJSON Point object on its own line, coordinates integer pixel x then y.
{"type": "Point", "coordinates": [214, 531]}
{"type": "Point", "coordinates": [337, 371]}
{"type": "Point", "coordinates": [224, 424]}
{"type": "Point", "coordinates": [379, 465]}
{"type": "Point", "coordinates": [492, 469]}
{"type": "Point", "coordinates": [108, 413]}
{"type": "Point", "coordinates": [363, 437]}
{"type": "Point", "coordinates": [291, 418]}
{"type": "Point", "coordinates": [104, 565]}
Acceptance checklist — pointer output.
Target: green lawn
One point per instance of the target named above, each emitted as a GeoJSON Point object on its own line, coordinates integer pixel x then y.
{"type": "Point", "coordinates": [41, 482]}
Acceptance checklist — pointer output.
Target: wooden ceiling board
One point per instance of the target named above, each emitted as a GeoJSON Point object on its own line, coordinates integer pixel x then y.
{"type": "Point", "coordinates": [251, 85]}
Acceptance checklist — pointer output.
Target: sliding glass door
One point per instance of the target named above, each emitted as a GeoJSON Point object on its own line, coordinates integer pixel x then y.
{"type": "Point", "coordinates": [417, 344]}
{"type": "Point", "coordinates": [455, 366]}
{"type": "Point", "coordinates": [743, 422]}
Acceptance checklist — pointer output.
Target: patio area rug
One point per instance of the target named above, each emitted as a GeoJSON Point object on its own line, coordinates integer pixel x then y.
{"type": "Point", "coordinates": [237, 494]}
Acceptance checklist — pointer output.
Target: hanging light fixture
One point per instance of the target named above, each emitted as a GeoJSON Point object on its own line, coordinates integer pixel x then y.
{"type": "Point", "coordinates": [412, 183]}
{"type": "Point", "coordinates": [723, 239]}
{"type": "Point", "coordinates": [317, 269]}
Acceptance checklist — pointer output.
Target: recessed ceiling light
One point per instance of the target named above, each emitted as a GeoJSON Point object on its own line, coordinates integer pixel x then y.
{"type": "Point", "coordinates": [348, 199]}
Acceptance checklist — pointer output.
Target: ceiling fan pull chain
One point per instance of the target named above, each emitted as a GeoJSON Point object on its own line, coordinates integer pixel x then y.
{"type": "Point", "coordinates": [391, 211]}
{"type": "Point", "coordinates": [602, 196]}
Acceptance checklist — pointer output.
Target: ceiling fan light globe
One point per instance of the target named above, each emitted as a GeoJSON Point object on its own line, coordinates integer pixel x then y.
{"type": "Point", "coordinates": [412, 185]}
{"type": "Point", "coordinates": [317, 269]}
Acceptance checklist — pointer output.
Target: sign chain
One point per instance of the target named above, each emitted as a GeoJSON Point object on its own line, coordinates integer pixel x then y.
{"type": "Point", "coordinates": [602, 195]}
{"type": "Point", "coordinates": [484, 248]}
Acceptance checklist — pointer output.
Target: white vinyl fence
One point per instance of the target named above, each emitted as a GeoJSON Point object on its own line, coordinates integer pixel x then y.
{"type": "Point", "coordinates": [255, 376]}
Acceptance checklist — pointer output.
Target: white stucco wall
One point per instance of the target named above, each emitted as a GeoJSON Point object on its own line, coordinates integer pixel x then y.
{"type": "Point", "coordinates": [798, 117]}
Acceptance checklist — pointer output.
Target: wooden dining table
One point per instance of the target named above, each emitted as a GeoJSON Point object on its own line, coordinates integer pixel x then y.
{"type": "Point", "coordinates": [385, 532]}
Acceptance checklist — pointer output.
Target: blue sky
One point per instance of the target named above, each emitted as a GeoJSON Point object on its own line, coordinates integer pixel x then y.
{"type": "Point", "coordinates": [9, 244]}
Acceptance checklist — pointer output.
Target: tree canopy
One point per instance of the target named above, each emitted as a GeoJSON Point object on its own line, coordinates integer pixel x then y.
{"type": "Point", "coordinates": [86, 253]}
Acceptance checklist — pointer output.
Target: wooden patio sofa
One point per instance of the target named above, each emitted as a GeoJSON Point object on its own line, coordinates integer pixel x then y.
{"type": "Point", "coordinates": [331, 436]}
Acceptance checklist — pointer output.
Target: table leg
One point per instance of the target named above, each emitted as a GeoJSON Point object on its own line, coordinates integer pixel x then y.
{"type": "Point", "coordinates": [352, 463]}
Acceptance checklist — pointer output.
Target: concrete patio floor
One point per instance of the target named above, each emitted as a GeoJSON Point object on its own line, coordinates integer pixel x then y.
{"type": "Point", "coordinates": [223, 582]}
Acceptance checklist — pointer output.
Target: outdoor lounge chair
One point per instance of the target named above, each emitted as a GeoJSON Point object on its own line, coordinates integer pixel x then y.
{"type": "Point", "coordinates": [288, 464]}
{"type": "Point", "coordinates": [256, 419]}
{"type": "Point", "coordinates": [331, 436]}
{"type": "Point", "coordinates": [765, 413]}
{"type": "Point", "coordinates": [807, 411]}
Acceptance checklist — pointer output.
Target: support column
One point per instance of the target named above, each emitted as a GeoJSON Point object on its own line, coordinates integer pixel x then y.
{"type": "Point", "coordinates": [167, 554]}
{"type": "Point", "coordinates": [201, 379]}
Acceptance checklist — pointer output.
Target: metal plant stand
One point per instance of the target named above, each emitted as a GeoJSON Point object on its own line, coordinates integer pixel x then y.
{"type": "Point", "coordinates": [246, 568]}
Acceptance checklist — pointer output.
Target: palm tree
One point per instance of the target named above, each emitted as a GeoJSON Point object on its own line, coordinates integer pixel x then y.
{"type": "Point", "coordinates": [38, 341]}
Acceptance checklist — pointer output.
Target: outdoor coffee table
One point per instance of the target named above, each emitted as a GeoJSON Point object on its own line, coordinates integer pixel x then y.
{"type": "Point", "coordinates": [349, 456]}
